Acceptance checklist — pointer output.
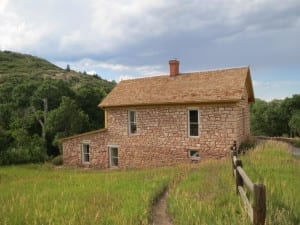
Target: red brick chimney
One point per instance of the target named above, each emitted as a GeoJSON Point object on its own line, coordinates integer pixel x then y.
{"type": "Point", "coordinates": [174, 67]}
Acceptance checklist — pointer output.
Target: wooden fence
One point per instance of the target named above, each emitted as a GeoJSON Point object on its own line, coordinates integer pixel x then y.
{"type": "Point", "coordinates": [256, 211]}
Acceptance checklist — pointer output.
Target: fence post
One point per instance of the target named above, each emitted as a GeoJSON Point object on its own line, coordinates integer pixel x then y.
{"type": "Point", "coordinates": [233, 165]}
{"type": "Point", "coordinates": [234, 149]}
{"type": "Point", "coordinates": [238, 177]}
{"type": "Point", "coordinates": [259, 204]}
{"type": "Point", "coordinates": [233, 153]}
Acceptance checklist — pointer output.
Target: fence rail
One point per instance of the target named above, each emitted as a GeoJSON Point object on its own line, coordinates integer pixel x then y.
{"type": "Point", "coordinates": [256, 211]}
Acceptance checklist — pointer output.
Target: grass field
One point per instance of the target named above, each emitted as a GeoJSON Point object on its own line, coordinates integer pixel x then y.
{"type": "Point", "coordinates": [40, 194]}
{"type": "Point", "coordinates": [35, 194]}
{"type": "Point", "coordinates": [208, 196]}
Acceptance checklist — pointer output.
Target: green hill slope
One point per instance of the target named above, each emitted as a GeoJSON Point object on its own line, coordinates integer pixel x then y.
{"type": "Point", "coordinates": [17, 64]}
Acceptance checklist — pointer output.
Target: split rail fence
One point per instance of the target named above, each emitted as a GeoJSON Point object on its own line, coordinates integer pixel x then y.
{"type": "Point", "coordinates": [256, 211]}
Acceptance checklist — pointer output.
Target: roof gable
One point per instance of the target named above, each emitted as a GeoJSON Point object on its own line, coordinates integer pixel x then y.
{"type": "Point", "coordinates": [226, 85]}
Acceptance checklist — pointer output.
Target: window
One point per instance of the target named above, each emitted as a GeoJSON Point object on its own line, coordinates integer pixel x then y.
{"type": "Point", "coordinates": [194, 154]}
{"type": "Point", "coordinates": [132, 122]}
{"type": "Point", "coordinates": [193, 125]}
{"type": "Point", "coordinates": [113, 156]}
{"type": "Point", "coordinates": [85, 148]}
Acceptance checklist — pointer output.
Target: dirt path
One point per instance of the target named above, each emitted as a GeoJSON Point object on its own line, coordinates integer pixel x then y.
{"type": "Point", "coordinates": [159, 213]}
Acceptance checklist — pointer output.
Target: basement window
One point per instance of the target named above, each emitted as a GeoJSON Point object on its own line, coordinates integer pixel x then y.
{"type": "Point", "coordinates": [194, 154]}
{"type": "Point", "coordinates": [85, 148]}
{"type": "Point", "coordinates": [132, 122]}
{"type": "Point", "coordinates": [193, 123]}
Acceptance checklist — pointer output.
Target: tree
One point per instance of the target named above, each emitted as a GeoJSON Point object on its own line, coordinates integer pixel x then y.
{"type": "Point", "coordinates": [88, 98]}
{"type": "Point", "coordinates": [257, 117]}
{"type": "Point", "coordinates": [275, 122]}
{"type": "Point", "coordinates": [68, 68]}
{"type": "Point", "coordinates": [294, 123]}
{"type": "Point", "coordinates": [67, 120]}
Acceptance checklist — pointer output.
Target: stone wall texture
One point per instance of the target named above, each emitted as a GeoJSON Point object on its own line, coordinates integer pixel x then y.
{"type": "Point", "coordinates": [162, 135]}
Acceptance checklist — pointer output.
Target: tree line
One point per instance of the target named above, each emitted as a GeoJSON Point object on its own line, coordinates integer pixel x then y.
{"type": "Point", "coordinates": [36, 111]}
{"type": "Point", "coordinates": [276, 118]}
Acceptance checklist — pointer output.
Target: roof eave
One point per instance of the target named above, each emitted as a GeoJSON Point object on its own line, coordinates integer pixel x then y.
{"type": "Point", "coordinates": [249, 86]}
{"type": "Point", "coordinates": [83, 134]}
{"type": "Point", "coordinates": [172, 103]}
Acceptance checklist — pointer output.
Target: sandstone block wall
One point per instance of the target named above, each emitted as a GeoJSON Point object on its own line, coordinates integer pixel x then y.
{"type": "Point", "coordinates": [162, 135]}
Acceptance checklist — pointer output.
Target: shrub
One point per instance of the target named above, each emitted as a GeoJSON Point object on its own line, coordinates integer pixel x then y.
{"type": "Point", "coordinates": [22, 155]}
{"type": "Point", "coordinates": [57, 161]}
{"type": "Point", "coordinates": [247, 144]}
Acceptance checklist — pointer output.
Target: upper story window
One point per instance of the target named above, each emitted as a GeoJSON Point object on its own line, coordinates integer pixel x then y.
{"type": "Point", "coordinates": [193, 122]}
{"type": "Point", "coordinates": [85, 149]}
{"type": "Point", "coordinates": [132, 122]}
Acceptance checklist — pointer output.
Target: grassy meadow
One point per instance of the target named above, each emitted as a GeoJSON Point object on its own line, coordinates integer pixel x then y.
{"type": "Point", "coordinates": [208, 196]}
{"type": "Point", "coordinates": [203, 194]}
{"type": "Point", "coordinates": [37, 194]}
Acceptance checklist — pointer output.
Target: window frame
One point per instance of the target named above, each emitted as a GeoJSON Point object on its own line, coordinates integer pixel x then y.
{"type": "Point", "coordinates": [111, 164]}
{"type": "Point", "coordinates": [83, 153]}
{"type": "Point", "coordinates": [192, 156]}
{"type": "Point", "coordinates": [130, 123]}
{"type": "Point", "coordinates": [189, 123]}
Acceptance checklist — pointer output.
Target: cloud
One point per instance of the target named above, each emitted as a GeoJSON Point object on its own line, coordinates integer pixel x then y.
{"type": "Point", "coordinates": [15, 33]}
{"type": "Point", "coordinates": [279, 89]}
{"type": "Point", "coordinates": [134, 38]}
{"type": "Point", "coordinates": [117, 71]}
{"type": "Point", "coordinates": [100, 28]}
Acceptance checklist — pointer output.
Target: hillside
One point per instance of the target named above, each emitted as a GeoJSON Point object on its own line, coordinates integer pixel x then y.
{"type": "Point", "coordinates": [23, 64]}
{"type": "Point", "coordinates": [41, 102]}
{"type": "Point", "coordinates": [18, 64]}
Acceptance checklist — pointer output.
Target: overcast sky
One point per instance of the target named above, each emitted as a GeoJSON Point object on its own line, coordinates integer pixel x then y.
{"type": "Point", "coordinates": [132, 38]}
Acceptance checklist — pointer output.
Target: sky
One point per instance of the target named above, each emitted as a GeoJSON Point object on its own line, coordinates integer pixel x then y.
{"type": "Point", "coordinates": [124, 39]}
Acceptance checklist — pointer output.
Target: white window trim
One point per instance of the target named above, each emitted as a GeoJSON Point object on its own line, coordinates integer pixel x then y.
{"type": "Point", "coordinates": [194, 157]}
{"type": "Point", "coordinates": [188, 121]}
{"type": "Point", "coordinates": [82, 152]}
{"type": "Point", "coordinates": [129, 122]}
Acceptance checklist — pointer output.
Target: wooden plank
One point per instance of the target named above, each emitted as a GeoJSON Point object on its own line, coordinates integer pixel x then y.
{"type": "Point", "coordinates": [246, 179]}
{"type": "Point", "coordinates": [234, 160]}
{"type": "Point", "coordinates": [246, 202]}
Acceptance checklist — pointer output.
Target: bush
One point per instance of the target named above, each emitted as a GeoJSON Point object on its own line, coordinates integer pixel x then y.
{"type": "Point", "coordinates": [22, 155]}
{"type": "Point", "coordinates": [57, 161]}
{"type": "Point", "coordinates": [247, 144]}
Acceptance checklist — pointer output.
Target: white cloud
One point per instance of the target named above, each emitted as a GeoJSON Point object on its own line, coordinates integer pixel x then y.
{"type": "Point", "coordinates": [124, 77]}
{"type": "Point", "coordinates": [280, 89]}
{"type": "Point", "coordinates": [82, 27]}
{"type": "Point", "coordinates": [135, 38]}
{"type": "Point", "coordinates": [116, 71]}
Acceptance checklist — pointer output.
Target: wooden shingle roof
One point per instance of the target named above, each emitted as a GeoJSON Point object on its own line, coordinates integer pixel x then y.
{"type": "Point", "coordinates": [224, 85]}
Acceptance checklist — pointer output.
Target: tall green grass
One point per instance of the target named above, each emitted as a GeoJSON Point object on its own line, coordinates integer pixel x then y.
{"type": "Point", "coordinates": [208, 195]}
{"type": "Point", "coordinates": [39, 195]}
{"type": "Point", "coordinates": [274, 165]}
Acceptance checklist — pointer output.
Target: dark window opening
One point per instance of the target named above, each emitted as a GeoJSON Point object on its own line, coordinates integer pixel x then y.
{"type": "Point", "coordinates": [194, 154]}
{"type": "Point", "coordinates": [193, 123]}
{"type": "Point", "coordinates": [85, 153]}
{"type": "Point", "coordinates": [132, 122]}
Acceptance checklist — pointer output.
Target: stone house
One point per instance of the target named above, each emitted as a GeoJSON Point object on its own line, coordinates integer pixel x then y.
{"type": "Point", "coordinates": [169, 119]}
